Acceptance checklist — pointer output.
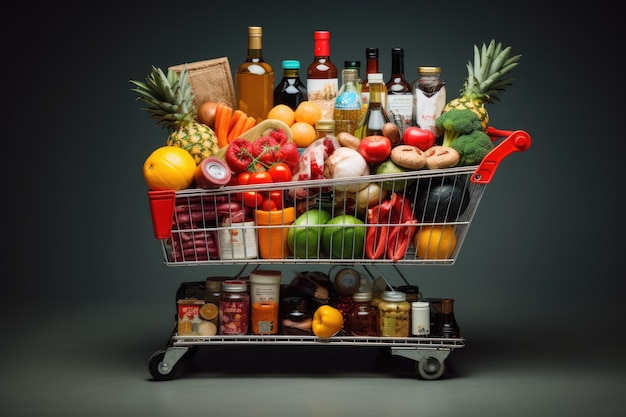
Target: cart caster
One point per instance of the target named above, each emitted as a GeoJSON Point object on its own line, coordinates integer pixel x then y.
{"type": "Point", "coordinates": [430, 368]}
{"type": "Point", "coordinates": [164, 363]}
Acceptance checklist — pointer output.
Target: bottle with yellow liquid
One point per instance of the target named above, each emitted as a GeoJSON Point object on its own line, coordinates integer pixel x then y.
{"type": "Point", "coordinates": [254, 79]}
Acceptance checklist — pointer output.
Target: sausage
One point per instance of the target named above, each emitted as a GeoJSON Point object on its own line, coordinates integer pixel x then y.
{"type": "Point", "coordinates": [348, 140]}
{"type": "Point", "coordinates": [391, 130]}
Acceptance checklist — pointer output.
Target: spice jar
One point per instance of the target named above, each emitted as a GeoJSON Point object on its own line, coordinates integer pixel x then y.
{"type": "Point", "coordinates": [234, 309]}
{"type": "Point", "coordinates": [362, 318]}
{"type": "Point", "coordinates": [394, 312]}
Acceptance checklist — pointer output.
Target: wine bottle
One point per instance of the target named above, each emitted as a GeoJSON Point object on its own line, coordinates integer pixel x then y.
{"type": "Point", "coordinates": [322, 81]}
{"type": "Point", "coordinates": [254, 79]}
{"type": "Point", "coordinates": [399, 92]}
{"type": "Point", "coordinates": [371, 67]}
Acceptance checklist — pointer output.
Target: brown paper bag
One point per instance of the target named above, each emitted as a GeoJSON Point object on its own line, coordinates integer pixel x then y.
{"type": "Point", "coordinates": [211, 80]}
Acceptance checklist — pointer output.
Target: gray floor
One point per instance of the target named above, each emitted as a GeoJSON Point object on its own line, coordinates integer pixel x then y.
{"type": "Point", "coordinates": [98, 365]}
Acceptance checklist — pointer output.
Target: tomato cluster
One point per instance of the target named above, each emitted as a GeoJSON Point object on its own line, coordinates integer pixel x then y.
{"type": "Point", "coordinates": [264, 200]}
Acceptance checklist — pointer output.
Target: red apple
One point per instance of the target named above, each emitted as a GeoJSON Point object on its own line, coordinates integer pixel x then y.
{"type": "Point", "coordinates": [421, 138]}
{"type": "Point", "coordinates": [375, 148]}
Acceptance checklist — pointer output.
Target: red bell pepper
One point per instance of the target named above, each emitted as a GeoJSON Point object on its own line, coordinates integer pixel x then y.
{"type": "Point", "coordinates": [395, 215]}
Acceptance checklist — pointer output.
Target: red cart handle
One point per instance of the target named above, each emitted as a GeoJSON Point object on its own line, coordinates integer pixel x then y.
{"type": "Point", "coordinates": [515, 141]}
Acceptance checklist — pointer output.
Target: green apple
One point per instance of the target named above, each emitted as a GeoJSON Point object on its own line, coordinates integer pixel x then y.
{"type": "Point", "coordinates": [342, 240]}
{"type": "Point", "coordinates": [389, 167]}
{"type": "Point", "coordinates": [303, 237]}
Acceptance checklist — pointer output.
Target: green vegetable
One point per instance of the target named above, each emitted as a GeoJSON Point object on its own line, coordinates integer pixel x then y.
{"type": "Point", "coordinates": [457, 122]}
{"type": "Point", "coordinates": [472, 147]}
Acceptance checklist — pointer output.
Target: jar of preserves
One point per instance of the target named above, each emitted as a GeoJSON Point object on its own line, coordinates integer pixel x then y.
{"type": "Point", "coordinates": [362, 319]}
{"type": "Point", "coordinates": [234, 309]}
{"type": "Point", "coordinates": [394, 313]}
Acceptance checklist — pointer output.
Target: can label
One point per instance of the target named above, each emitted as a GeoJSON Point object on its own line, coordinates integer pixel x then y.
{"type": "Point", "coordinates": [188, 317]}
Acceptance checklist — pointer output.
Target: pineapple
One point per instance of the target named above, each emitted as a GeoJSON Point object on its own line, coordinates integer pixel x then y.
{"type": "Point", "coordinates": [170, 101]}
{"type": "Point", "coordinates": [484, 80]}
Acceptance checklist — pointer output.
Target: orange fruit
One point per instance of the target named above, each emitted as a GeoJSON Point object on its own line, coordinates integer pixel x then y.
{"type": "Point", "coordinates": [282, 112]}
{"type": "Point", "coordinates": [169, 168]}
{"type": "Point", "coordinates": [208, 311]}
{"type": "Point", "coordinates": [303, 134]}
{"type": "Point", "coordinates": [308, 112]}
{"type": "Point", "coordinates": [435, 242]}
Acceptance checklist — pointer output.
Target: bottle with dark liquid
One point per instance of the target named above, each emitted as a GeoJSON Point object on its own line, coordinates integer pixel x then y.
{"type": "Point", "coordinates": [322, 78]}
{"type": "Point", "coordinates": [254, 79]}
{"type": "Point", "coordinates": [290, 90]}
{"type": "Point", "coordinates": [447, 326]}
{"type": "Point", "coordinates": [399, 92]}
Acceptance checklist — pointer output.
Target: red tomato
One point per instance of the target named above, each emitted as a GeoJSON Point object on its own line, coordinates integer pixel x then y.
{"type": "Point", "coordinates": [243, 178]}
{"type": "Point", "coordinates": [375, 149]}
{"type": "Point", "coordinates": [251, 198]}
{"type": "Point", "coordinates": [260, 177]}
{"type": "Point", "coordinates": [268, 205]}
{"type": "Point", "coordinates": [421, 138]}
{"type": "Point", "coordinates": [277, 197]}
{"type": "Point", "coordinates": [280, 172]}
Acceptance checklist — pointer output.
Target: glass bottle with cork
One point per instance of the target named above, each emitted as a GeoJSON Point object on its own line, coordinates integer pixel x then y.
{"type": "Point", "coordinates": [290, 91]}
{"type": "Point", "coordinates": [375, 114]}
{"type": "Point", "coordinates": [254, 79]}
{"type": "Point", "coordinates": [371, 67]}
{"type": "Point", "coordinates": [399, 92]}
{"type": "Point", "coordinates": [429, 98]}
{"type": "Point", "coordinates": [348, 106]}
{"type": "Point", "coordinates": [322, 78]}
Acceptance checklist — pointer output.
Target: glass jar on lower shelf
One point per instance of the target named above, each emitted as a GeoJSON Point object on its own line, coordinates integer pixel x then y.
{"type": "Point", "coordinates": [394, 313]}
{"type": "Point", "coordinates": [362, 319]}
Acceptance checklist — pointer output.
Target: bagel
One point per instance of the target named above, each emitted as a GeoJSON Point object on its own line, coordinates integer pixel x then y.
{"type": "Point", "coordinates": [441, 157]}
{"type": "Point", "coordinates": [409, 157]}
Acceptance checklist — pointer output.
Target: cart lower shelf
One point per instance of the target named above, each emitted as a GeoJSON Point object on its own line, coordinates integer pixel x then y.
{"type": "Point", "coordinates": [429, 353]}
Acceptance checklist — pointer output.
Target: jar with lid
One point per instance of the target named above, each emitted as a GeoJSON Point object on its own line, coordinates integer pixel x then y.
{"type": "Point", "coordinates": [325, 128]}
{"type": "Point", "coordinates": [412, 292]}
{"type": "Point", "coordinates": [394, 313]}
{"type": "Point", "coordinates": [429, 98]}
{"type": "Point", "coordinates": [234, 309]}
{"type": "Point", "coordinates": [362, 319]}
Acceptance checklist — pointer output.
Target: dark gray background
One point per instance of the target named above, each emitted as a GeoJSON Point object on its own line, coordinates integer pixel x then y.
{"type": "Point", "coordinates": [86, 298]}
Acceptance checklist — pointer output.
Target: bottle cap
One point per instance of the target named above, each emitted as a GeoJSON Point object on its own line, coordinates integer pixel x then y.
{"type": "Point", "coordinates": [394, 296]}
{"type": "Point", "coordinates": [371, 53]}
{"type": "Point", "coordinates": [255, 30]}
{"type": "Point", "coordinates": [291, 64]}
{"type": "Point", "coordinates": [321, 34]}
{"type": "Point", "coordinates": [362, 296]}
{"type": "Point", "coordinates": [375, 77]}
{"type": "Point", "coordinates": [436, 70]}
{"type": "Point", "coordinates": [352, 64]}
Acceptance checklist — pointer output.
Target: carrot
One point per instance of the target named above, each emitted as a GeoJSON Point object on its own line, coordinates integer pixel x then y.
{"type": "Point", "coordinates": [249, 124]}
{"type": "Point", "coordinates": [238, 127]}
{"type": "Point", "coordinates": [233, 120]}
{"type": "Point", "coordinates": [218, 112]}
{"type": "Point", "coordinates": [222, 128]}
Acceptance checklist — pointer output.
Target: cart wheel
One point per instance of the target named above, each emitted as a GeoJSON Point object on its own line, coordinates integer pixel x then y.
{"type": "Point", "coordinates": [430, 368]}
{"type": "Point", "coordinates": [159, 370]}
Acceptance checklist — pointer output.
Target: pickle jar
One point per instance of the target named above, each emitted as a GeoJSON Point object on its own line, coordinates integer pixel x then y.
{"type": "Point", "coordinates": [394, 312]}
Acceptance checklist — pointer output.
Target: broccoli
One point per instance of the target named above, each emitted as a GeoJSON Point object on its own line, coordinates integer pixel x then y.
{"type": "Point", "coordinates": [472, 147]}
{"type": "Point", "coordinates": [455, 122]}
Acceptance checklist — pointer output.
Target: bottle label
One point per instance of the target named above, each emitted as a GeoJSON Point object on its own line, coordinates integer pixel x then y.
{"type": "Point", "coordinates": [400, 108]}
{"type": "Point", "coordinates": [348, 100]}
{"type": "Point", "coordinates": [428, 107]}
{"type": "Point", "coordinates": [323, 92]}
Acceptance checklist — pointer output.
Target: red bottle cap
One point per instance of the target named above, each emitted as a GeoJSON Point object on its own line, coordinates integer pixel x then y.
{"type": "Point", "coordinates": [322, 43]}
